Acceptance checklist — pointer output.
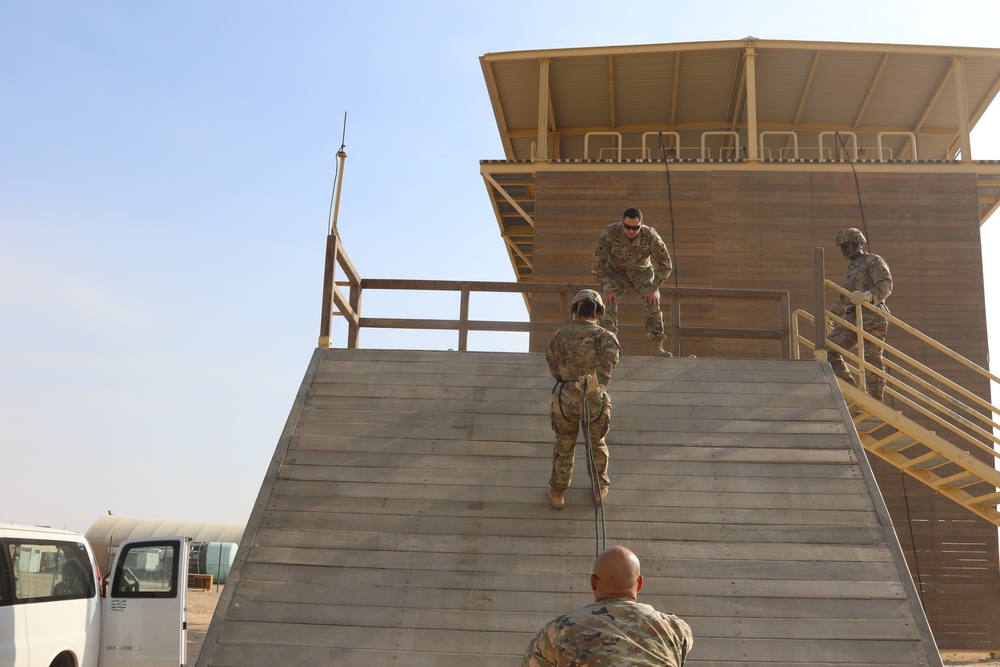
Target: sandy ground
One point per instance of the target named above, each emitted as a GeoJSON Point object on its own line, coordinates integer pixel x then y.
{"type": "Point", "coordinates": [201, 606]}
{"type": "Point", "coordinates": [956, 659]}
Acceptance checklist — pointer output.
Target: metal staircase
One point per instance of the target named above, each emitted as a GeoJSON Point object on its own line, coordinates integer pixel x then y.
{"type": "Point", "coordinates": [925, 455]}
{"type": "Point", "coordinates": [944, 435]}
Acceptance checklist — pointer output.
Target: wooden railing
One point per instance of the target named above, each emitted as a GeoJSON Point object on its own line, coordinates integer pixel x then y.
{"type": "Point", "coordinates": [336, 303]}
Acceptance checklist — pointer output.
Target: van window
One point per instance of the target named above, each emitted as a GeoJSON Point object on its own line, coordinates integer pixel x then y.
{"type": "Point", "coordinates": [50, 570]}
{"type": "Point", "coordinates": [146, 571]}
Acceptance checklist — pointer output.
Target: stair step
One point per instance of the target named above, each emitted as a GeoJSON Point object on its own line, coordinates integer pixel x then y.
{"type": "Point", "coordinates": [868, 422]}
{"type": "Point", "coordinates": [895, 442]}
{"type": "Point", "coordinates": [958, 481]}
{"type": "Point", "coordinates": [928, 461]}
{"type": "Point", "coordinates": [988, 499]}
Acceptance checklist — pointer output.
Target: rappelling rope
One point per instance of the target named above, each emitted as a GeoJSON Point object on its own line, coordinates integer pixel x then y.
{"type": "Point", "coordinates": [600, 527]}
{"type": "Point", "coordinates": [670, 206]}
{"type": "Point", "coordinates": [861, 343]}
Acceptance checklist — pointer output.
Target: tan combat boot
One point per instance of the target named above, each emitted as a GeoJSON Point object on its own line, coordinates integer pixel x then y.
{"type": "Point", "coordinates": [657, 345]}
{"type": "Point", "coordinates": [557, 498]}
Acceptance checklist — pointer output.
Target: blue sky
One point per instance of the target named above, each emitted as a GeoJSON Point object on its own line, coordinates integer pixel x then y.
{"type": "Point", "coordinates": [166, 171]}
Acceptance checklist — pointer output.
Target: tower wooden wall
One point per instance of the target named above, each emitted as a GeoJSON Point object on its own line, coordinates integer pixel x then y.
{"type": "Point", "coordinates": [733, 228]}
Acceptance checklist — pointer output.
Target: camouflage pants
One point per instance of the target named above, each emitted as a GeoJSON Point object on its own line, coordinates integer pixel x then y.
{"type": "Point", "coordinates": [847, 339]}
{"type": "Point", "coordinates": [567, 406]}
{"type": "Point", "coordinates": [652, 314]}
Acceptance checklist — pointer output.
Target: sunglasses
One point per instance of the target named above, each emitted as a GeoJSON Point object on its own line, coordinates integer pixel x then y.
{"type": "Point", "coordinates": [845, 245]}
{"type": "Point", "coordinates": [630, 227]}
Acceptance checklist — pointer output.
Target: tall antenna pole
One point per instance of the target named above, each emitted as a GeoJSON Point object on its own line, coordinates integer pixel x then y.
{"type": "Point", "coordinates": [332, 247]}
{"type": "Point", "coordinates": [341, 157]}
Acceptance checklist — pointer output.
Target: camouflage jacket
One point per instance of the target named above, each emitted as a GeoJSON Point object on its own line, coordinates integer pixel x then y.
{"type": "Point", "coordinates": [581, 348]}
{"type": "Point", "coordinates": [642, 263]}
{"type": "Point", "coordinates": [611, 633]}
{"type": "Point", "coordinates": [867, 273]}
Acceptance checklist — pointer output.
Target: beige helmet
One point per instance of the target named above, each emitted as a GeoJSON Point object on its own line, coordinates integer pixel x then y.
{"type": "Point", "coordinates": [852, 234]}
{"type": "Point", "coordinates": [587, 295]}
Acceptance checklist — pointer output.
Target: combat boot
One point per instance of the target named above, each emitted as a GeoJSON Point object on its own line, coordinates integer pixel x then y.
{"type": "Point", "coordinates": [557, 498]}
{"type": "Point", "coordinates": [599, 496]}
{"type": "Point", "coordinates": [657, 345]}
{"type": "Point", "coordinates": [847, 377]}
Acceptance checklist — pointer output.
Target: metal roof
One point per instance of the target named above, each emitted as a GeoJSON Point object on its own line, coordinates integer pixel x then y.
{"type": "Point", "coordinates": [748, 100]}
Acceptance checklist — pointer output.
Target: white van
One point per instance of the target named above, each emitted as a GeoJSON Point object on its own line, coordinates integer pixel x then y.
{"type": "Point", "coordinates": [52, 612]}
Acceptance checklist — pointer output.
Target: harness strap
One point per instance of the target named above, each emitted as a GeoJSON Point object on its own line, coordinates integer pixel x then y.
{"type": "Point", "coordinates": [557, 390]}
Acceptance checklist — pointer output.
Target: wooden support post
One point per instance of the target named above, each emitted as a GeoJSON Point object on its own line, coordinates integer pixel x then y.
{"type": "Point", "coordinates": [463, 318]}
{"type": "Point", "coordinates": [819, 308]}
{"type": "Point", "coordinates": [329, 270]}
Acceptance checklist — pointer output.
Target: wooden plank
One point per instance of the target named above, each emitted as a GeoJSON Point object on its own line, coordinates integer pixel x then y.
{"type": "Point", "coordinates": [664, 500]}
{"type": "Point", "coordinates": [828, 454]}
{"type": "Point", "coordinates": [291, 501]}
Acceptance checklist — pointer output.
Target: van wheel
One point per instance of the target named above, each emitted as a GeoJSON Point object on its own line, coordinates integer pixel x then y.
{"type": "Point", "coordinates": [63, 660]}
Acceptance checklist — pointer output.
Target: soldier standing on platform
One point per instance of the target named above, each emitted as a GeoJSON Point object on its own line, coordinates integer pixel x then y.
{"type": "Point", "coordinates": [867, 279]}
{"type": "Point", "coordinates": [631, 257]}
{"type": "Point", "coordinates": [581, 357]}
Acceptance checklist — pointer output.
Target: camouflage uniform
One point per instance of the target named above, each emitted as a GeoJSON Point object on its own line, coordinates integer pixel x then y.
{"type": "Point", "coordinates": [636, 265]}
{"type": "Point", "coordinates": [867, 273]}
{"type": "Point", "coordinates": [611, 633]}
{"type": "Point", "coordinates": [576, 350]}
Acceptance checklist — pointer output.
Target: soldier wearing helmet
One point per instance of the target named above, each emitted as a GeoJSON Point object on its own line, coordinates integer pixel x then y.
{"type": "Point", "coordinates": [867, 280]}
{"type": "Point", "coordinates": [631, 257]}
{"type": "Point", "coordinates": [581, 357]}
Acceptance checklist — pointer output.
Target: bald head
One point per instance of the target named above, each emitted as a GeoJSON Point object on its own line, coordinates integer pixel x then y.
{"type": "Point", "coordinates": [616, 574]}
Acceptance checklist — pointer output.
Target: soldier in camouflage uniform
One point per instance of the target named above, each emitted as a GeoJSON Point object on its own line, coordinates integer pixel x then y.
{"type": "Point", "coordinates": [581, 357]}
{"type": "Point", "coordinates": [867, 279]}
{"type": "Point", "coordinates": [631, 257]}
{"type": "Point", "coordinates": [615, 630]}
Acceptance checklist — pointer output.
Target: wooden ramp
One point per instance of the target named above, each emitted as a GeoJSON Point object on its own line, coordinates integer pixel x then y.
{"type": "Point", "coordinates": [403, 519]}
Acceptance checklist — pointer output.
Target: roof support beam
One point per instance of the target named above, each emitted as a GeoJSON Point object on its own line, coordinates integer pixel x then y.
{"type": "Point", "coordinates": [673, 91]}
{"type": "Point", "coordinates": [962, 98]}
{"type": "Point", "coordinates": [928, 108]}
{"type": "Point", "coordinates": [611, 90]}
{"type": "Point", "coordinates": [804, 97]}
{"type": "Point", "coordinates": [871, 90]}
{"type": "Point", "coordinates": [510, 200]}
{"type": "Point", "coordinates": [542, 146]}
{"type": "Point", "coordinates": [751, 87]}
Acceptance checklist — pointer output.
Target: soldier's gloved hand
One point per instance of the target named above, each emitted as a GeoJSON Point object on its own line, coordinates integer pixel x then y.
{"type": "Point", "coordinates": [590, 384]}
{"type": "Point", "coordinates": [859, 296]}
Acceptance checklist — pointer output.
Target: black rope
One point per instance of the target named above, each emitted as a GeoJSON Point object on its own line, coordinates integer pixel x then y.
{"type": "Point", "coordinates": [857, 186]}
{"type": "Point", "coordinates": [861, 345]}
{"type": "Point", "coordinates": [913, 542]}
{"type": "Point", "coordinates": [670, 204]}
{"type": "Point", "coordinates": [600, 526]}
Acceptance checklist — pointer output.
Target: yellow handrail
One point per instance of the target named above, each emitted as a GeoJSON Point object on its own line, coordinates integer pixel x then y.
{"type": "Point", "coordinates": [918, 386]}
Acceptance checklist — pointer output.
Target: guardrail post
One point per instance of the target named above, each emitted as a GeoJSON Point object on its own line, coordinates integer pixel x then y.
{"type": "Point", "coordinates": [819, 308]}
{"type": "Point", "coordinates": [463, 319]}
{"type": "Point", "coordinates": [328, 273]}
{"type": "Point", "coordinates": [354, 326]}
{"type": "Point", "coordinates": [860, 323]}
{"type": "Point", "coordinates": [786, 325]}
{"type": "Point", "coordinates": [675, 323]}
